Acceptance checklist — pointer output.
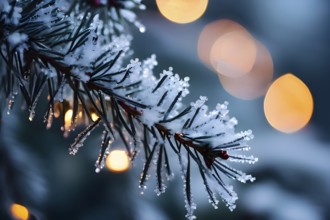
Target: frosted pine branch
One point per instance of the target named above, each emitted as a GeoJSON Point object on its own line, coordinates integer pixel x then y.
{"type": "Point", "coordinates": [74, 56]}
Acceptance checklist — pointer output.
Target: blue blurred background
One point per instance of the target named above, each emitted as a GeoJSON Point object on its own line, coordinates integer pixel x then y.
{"type": "Point", "coordinates": [293, 172]}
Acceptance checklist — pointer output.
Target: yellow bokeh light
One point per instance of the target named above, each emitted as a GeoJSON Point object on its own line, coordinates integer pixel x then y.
{"type": "Point", "coordinates": [68, 119]}
{"type": "Point", "coordinates": [19, 212]}
{"type": "Point", "coordinates": [118, 161]}
{"type": "Point", "coordinates": [182, 11]}
{"type": "Point", "coordinates": [288, 104]}
{"type": "Point", "coordinates": [94, 116]}
{"type": "Point", "coordinates": [234, 54]}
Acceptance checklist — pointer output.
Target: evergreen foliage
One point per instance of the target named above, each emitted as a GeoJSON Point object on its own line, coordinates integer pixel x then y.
{"type": "Point", "coordinates": [77, 53]}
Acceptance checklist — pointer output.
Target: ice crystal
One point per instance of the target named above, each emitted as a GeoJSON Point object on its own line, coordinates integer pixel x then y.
{"type": "Point", "coordinates": [32, 110]}
{"type": "Point", "coordinates": [188, 197]}
{"type": "Point", "coordinates": [49, 119]}
{"type": "Point", "coordinates": [104, 151]}
{"type": "Point", "coordinates": [11, 101]}
{"type": "Point", "coordinates": [80, 139]}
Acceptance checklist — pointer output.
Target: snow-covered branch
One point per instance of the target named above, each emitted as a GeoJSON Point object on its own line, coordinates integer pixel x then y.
{"type": "Point", "coordinates": [78, 59]}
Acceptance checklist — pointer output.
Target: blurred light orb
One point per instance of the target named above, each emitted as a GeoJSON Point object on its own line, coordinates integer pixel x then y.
{"type": "Point", "coordinates": [94, 116]}
{"type": "Point", "coordinates": [243, 64]}
{"type": "Point", "coordinates": [118, 161]}
{"type": "Point", "coordinates": [288, 104]}
{"type": "Point", "coordinates": [234, 54]}
{"type": "Point", "coordinates": [256, 82]}
{"type": "Point", "coordinates": [67, 119]}
{"type": "Point", "coordinates": [211, 33]}
{"type": "Point", "coordinates": [57, 109]}
{"type": "Point", "coordinates": [182, 11]}
{"type": "Point", "coordinates": [19, 212]}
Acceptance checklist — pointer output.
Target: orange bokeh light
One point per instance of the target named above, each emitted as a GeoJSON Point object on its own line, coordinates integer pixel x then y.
{"type": "Point", "coordinates": [211, 33]}
{"type": "Point", "coordinates": [233, 54]}
{"type": "Point", "coordinates": [288, 104]}
{"type": "Point", "coordinates": [19, 212]}
{"type": "Point", "coordinates": [255, 83]}
{"type": "Point", "coordinates": [244, 65]}
{"type": "Point", "coordinates": [182, 11]}
{"type": "Point", "coordinates": [118, 161]}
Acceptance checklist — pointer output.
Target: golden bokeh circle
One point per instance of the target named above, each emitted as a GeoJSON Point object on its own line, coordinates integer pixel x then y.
{"type": "Point", "coordinates": [19, 212]}
{"type": "Point", "coordinates": [118, 161]}
{"type": "Point", "coordinates": [288, 104]}
{"type": "Point", "coordinates": [182, 11]}
{"type": "Point", "coordinates": [234, 54]}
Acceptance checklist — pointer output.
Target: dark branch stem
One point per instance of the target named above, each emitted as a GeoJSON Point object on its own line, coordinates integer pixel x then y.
{"type": "Point", "coordinates": [60, 67]}
{"type": "Point", "coordinates": [203, 149]}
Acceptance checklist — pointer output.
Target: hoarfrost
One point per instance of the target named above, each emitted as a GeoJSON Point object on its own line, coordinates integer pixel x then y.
{"type": "Point", "coordinates": [32, 110]}
{"type": "Point", "coordinates": [188, 198]}
{"type": "Point", "coordinates": [16, 13]}
{"type": "Point", "coordinates": [80, 139]}
{"type": "Point", "coordinates": [207, 131]}
{"type": "Point", "coordinates": [199, 103]}
{"type": "Point", "coordinates": [128, 15]}
{"type": "Point", "coordinates": [17, 38]}
{"type": "Point", "coordinates": [150, 116]}
{"type": "Point", "coordinates": [243, 159]}
{"type": "Point", "coordinates": [100, 162]}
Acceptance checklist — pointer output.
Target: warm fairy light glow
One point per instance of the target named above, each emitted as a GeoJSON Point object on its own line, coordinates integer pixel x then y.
{"type": "Point", "coordinates": [233, 54]}
{"type": "Point", "coordinates": [80, 115]}
{"type": "Point", "coordinates": [19, 212]}
{"type": "Point", "coordinates": [68, 119]}
{"type": "Point", "coordinates": [244, 65]}
{"type": "Point", "coordinates": [57, 109]}
{"type": "Point", "coordinates": [182, 11]}
{"type": "Point", "coordinates": [255, 83]}
{"type": "Point", "coordinates": [211, 33]}
{"type": "Point", "coordinates": [288, 104]}
{"type": "Point", "coordinates": [94, 116]}
{"type": "Point", "coordinates": [118, 161]}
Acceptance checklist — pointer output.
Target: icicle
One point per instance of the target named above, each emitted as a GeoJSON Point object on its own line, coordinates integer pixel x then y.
{"type": "Point", "coordinates": [140, 26]}
{"type": "Point", "coordinates": [226, 192]}
{"type": "Point", "coordinates": [104, 152]}
{"type": "Point", "coordinates": [160, 190]}
{"type": "Point", "coordinates": [11, 101]}
{"type": "Point", "coordinates": [160, 186]}
{"type": "Point", "coordinates": [189, 204]}
{"type": "Point", "coordinates": [32, 111]}
{"type": "Point", "coordinates": [143, 186]}
{"type": "Point", "coordinates": [213, 200]}
{"type": "Point", "coordinates": [144, 178]}
{"type": "Point", "coordinates": [170, 176]}
{"type": "Point", "coordinates": [144, 175]}
{"type": "Point", "coordinates": [50, 117]}
{"type": "Point", "coordinates": [79, 141]}
{"type": "Point", "coordinates": [243, 159]}
{"type": "Point", "coordinates": [10, 105]}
